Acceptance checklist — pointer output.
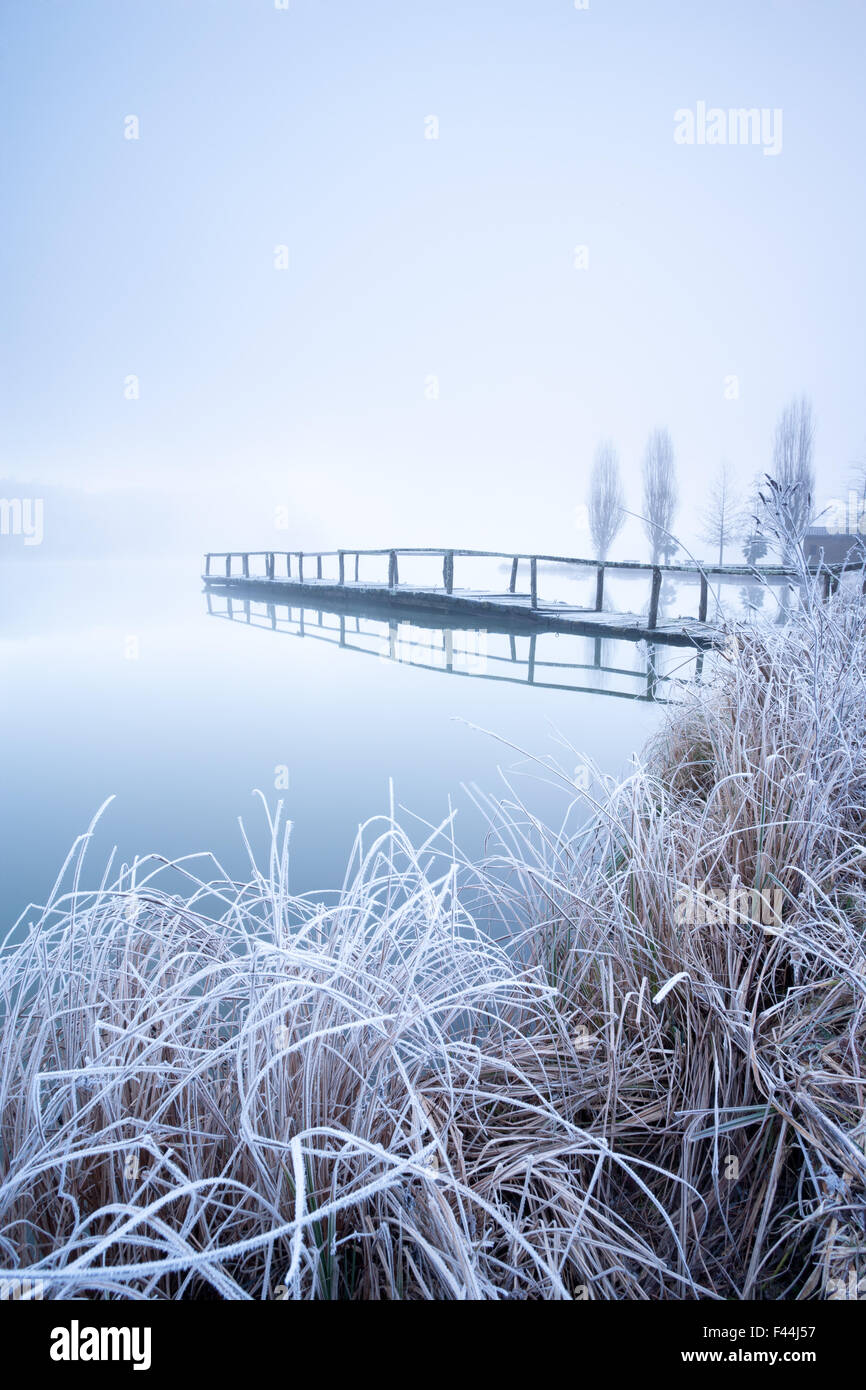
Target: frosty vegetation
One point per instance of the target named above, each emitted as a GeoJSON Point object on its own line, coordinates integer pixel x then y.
{"type": "Point", "coordinates": [229, 1092]}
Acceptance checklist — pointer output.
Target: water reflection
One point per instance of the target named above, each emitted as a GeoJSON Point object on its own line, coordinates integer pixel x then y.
{"type": "Point", "coordinates": [514, 652]}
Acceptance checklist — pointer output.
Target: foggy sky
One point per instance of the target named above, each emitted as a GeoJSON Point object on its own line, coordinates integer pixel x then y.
{"type": "Point", "coordinates": [412, 258]}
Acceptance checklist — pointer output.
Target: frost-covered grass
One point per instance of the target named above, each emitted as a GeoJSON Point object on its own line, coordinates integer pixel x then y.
{"type": "Point", "coordinates": [227, 1092]}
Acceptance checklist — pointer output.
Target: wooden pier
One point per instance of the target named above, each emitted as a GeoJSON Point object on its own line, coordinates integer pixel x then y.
{"type": "Point", "coordinates": [332, 576]}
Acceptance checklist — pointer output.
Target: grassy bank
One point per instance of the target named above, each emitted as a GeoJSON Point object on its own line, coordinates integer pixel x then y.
{"type": "Point", "coordinates": [224, 1092]}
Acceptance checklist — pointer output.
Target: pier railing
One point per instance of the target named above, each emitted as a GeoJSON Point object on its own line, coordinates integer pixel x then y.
{"type": "Point", "coordinates": [290, 565]}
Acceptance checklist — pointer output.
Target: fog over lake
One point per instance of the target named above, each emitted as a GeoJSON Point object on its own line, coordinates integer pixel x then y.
{"type": "Point", "coordinates": [123, 684]}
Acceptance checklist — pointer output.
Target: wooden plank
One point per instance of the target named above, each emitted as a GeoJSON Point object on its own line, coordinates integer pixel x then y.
{"type": "Point", "coordinates": [482, 605]}
{"type": "Point", "coordinates": [482, 610]}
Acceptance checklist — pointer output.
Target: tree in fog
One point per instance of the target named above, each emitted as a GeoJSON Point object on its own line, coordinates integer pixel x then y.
{"type": "Point", "coordinates": [793, 468]}
{"type": "Point", "coordinates": [606, 500]}
{"type": "Point", "coordinates": [723, 519]}
{"type": "Point", "coordinates": [659, 492]}
{"type": "Point", "coordinates": [755, 547]}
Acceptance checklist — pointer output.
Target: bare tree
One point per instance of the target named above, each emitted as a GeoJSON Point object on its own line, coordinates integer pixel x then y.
{"type": "Point", "coordinates": [659, 492]}
{"type": "Point", "coordinates": [606, 500]}
{"type": "Point", "coordinates": [793, 469]}
{"type": "Point", "coordinates": [723, 518]}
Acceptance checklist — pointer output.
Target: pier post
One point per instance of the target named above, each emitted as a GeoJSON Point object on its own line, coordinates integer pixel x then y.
{"type": "Point", "coordinates": [228, 563]}
{"type": "Point", "coordinates": [245, 565]}
{"type": "Point", "coordinates": [654, 598]}
{"type": "Point", "coordinates": [341, 561]}
{"type": "Point", "coordinates": [448, 571]}
{"type": "Point", "coordinates": [599, 588]}
{"type": "Point", "coordinates": [530, 665]}
{"type": "Point", "coordinates": [207, 565]}
{"type": "Point", "coordinates": [392, 570]}
{"type": "Point", "coordinates": [513, 584]}
{"type": "Point", "coordinates": [702, 607]}
{"type": "Point", "coordinates": [357, 564]}
{"type": "Point", "coordinates": [318, 566]}
{"type": "Point", "coordinates": [300, 566]}
{"type": "Point", "coordinates": [651, 673]}
{"type": "Point", "coordinates": [288, 564]}
{"type": "Point", "coordinates": [533, 583]}
{"type": "Point", "coordinates": [270, 564]}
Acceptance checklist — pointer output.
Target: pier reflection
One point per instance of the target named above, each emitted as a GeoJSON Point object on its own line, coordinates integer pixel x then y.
{"type": "Point", "coordinates": [514, 652]}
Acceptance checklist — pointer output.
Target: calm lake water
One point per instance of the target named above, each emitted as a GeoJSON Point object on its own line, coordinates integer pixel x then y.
{"type": "Point", "coordinates": [116, 679]}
